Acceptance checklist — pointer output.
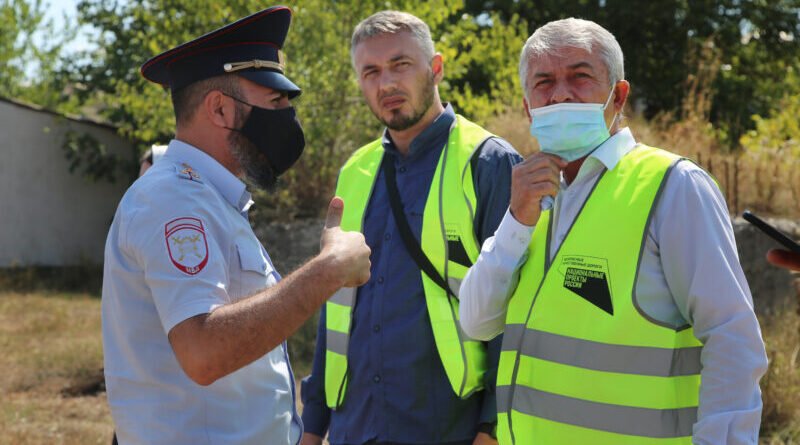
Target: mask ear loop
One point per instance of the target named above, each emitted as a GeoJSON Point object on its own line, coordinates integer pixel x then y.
{"type": "Point", "coordinates": [610, 95]}
{"type": "Point", "coordinates": [608, 101]}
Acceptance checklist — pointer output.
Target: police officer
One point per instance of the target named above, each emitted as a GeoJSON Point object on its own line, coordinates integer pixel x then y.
{"type": "Point", "coordinates": [616, 303]}
{"type": "Point", "coordinates": [195, 317]}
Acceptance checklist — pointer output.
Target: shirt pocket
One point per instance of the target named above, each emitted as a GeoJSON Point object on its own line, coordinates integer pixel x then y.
{"type": "Point", "coordinates": [414, 215]}
{"type": "Point", "coordinates": [255, 271]}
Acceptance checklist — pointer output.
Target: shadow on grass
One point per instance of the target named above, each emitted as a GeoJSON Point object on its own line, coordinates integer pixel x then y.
{"type": "Point", "coordinates": [49, 279]}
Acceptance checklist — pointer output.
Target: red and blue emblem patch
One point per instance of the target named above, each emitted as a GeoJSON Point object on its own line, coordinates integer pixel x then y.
{"type": "Point", "coordinates": [186, 244]}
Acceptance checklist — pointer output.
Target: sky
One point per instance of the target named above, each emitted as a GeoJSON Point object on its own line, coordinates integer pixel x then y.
{"type": "Point", "coordinates": [56, 10]}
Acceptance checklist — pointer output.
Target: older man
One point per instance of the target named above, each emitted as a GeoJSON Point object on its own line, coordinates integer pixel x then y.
{"type": "Point", "coordinates": [626, 316]}
{"type": "Point", "coordinates": [194, 314]}
{"type": "Point", "coordinates": [392, 364]}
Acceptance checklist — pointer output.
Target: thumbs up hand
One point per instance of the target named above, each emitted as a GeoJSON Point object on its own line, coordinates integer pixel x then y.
{"type": "Point", "coordinates": [335, 211]}
{"type": "Point", "coordinates": [347, 252]}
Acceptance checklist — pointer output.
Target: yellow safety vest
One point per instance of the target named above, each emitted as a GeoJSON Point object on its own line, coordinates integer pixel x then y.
{"type": "Point", "coordinates": [447, 218]}
{"type": "Point", "coordinates": [581, 363]}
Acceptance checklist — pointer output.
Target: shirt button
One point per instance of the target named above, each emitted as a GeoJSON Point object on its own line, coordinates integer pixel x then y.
{"type": "Point", "coordinates": [376, 328]}
{"type": "Point", "coordinates": [376, 378]}
{"type": "Point", "coordinates": [380, 280]}
{"type": "Point", "coordinates": [402, 169]}
{"type": "Point", "coordinates": [387, 237]}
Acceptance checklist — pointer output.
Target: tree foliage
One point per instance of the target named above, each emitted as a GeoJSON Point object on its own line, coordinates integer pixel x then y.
{"type": "Point", "coordinates": [331, 107]}
{"type": "Point", "coordinates": [722, 61]}
{"type": "Point", "coordinates": [780, 130]}
{"type": "Point", "coordinates": [29, 58]}
{"type": "Point", "coordinates": [757, 42]}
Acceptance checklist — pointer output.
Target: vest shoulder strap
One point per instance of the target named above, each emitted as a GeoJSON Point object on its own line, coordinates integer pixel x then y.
{"type": "Point", "coordinates": [364, 154]}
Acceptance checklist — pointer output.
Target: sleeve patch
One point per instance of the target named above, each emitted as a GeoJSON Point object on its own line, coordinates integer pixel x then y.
{"type": "Point", "coordinates": [186, 244]}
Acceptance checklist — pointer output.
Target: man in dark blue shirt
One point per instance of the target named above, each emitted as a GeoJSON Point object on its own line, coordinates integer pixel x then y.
{"type": "Point", "coordinates": [398, 391]}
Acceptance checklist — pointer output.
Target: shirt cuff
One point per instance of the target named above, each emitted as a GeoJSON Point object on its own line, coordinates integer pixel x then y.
{"type": "Point", "coordinates": [489, 408]}
{"type": "Point", "coordinates": [316, 414]}
{"type": "Point", "coordinates": [512, 237]}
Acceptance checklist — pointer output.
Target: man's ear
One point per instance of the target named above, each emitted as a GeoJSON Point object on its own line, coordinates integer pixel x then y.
{"type": "Point", "coordinates": [437, 66]}
{"type": "Point", "coordinates": [621, 91]}
{"type": "Point", "coordinates": [219, 109]}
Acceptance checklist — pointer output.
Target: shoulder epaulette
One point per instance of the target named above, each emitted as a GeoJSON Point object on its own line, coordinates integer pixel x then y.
{"type": "Point", "coordinates": [185, 171]}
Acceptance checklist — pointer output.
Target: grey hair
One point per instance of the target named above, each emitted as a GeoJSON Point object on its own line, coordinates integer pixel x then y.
{"type": "Point", "coordinates": [393, 22]}
{"type": "Point", "coordinates": [551, 38]}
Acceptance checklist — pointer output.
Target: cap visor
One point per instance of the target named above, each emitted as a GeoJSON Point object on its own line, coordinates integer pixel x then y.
{"type": "Point", "coordinates": [271, 79]}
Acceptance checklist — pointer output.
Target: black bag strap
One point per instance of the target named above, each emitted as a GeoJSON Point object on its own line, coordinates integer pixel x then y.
{"type": "Point", "coordinates": [411, 243]}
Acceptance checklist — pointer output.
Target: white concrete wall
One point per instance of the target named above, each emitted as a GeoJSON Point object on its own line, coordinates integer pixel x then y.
{"type": "Point", "coordinates": [49, 216]}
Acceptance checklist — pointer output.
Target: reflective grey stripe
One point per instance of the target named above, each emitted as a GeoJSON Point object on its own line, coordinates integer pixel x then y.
{"type": "Point", "coordinates": [503, 397]}
{"type": "Point", "coordinates": [641, 360]}
{"type": "Point", "coordinates": [345, 296]}
{"type": "Point", "coordinates": [631, 421]}
{"type": "Point", "coordinates": [512, 336]}
{"type": "Point", "coordinates": [455, 285]}
{"type": "Point", "coordinates": [336, 341]}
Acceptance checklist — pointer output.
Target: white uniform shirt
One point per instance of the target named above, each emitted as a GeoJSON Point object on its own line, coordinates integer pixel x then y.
{"type": "Point", "coordinates": [181, 245]}
{"type": "Point", "coordinates": [690, 273]}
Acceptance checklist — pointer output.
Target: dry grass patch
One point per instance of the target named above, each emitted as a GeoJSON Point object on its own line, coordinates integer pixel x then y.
{"type": "Point", "coordinates": [47, 418]}
{"type": "Point", "coordinates": [51, 356]}
{"type": "Point", "coordinates": [781, 385]}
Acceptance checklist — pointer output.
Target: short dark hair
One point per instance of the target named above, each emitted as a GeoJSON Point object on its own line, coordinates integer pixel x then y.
{"type": "Point", "coordinates": [186, 100]}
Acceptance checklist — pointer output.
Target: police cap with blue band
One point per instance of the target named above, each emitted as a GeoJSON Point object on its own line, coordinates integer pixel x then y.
{"type": "Point", "coordinates": [250, 47]}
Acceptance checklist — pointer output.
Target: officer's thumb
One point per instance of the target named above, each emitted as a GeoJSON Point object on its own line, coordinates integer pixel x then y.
{"type": "Point", "coordinates": [335, 210]}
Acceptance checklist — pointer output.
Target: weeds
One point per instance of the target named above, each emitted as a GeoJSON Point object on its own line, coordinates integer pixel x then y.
{"type": "Point", "coordinates": [780, 386]}
{"type": "Point", "coordinates": [765, 181]}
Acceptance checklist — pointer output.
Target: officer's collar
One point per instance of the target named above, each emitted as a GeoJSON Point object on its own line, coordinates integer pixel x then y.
{"type": "Point", "coordinates": [209, 169]}
{"type": "Point", "coordinates": [428, 136]}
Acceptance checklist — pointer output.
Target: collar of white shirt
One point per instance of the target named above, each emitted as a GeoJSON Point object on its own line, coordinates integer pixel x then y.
{"type": "Point", "coordinates": [609, 153]}
{"type": "Point", "coordinates": [230, 187]}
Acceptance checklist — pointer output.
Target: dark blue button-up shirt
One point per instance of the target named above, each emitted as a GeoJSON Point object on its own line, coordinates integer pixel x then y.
{"type": "Point", "coordinates": [398, 390]}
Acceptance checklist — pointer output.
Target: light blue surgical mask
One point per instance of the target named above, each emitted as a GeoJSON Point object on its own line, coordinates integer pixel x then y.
{"type": "Point", "coordinates": [570, 130]}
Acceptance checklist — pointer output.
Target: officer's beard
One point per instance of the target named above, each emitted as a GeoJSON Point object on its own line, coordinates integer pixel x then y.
{"type": "Point", "coordinates": [255, 165]}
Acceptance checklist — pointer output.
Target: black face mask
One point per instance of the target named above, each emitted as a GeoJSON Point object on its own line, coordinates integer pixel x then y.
{"type": "Point", "coordinates": [276, 133]}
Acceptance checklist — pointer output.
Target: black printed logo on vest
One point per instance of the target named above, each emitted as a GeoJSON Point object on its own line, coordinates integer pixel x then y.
{"type": "Point", "coordinates": [455, 249]}
{"type": "Point", "coordinates": [588, 278]}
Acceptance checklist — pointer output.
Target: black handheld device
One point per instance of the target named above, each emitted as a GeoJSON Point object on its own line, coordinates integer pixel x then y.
{"type": "Point", "coordinates": [774, 233]}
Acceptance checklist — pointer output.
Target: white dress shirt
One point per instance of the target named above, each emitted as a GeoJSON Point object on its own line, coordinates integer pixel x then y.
{"type": "Point", "coordinates": [690, 274]}
{"type": "Point", "coordinates": [181, 245]}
